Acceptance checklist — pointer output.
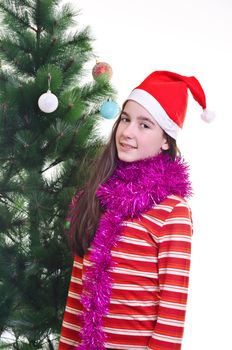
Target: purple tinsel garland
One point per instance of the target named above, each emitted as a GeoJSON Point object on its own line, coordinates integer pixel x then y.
{"type": "Point", "coordinates": [132, 189]}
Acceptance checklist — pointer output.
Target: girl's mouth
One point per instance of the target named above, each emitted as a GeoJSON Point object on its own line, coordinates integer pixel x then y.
{"type": "Point", "coordinates": [127, 146]}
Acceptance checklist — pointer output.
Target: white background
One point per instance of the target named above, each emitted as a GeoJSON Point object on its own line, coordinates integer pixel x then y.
{"type": "Point", "coordinates": [190, 37]}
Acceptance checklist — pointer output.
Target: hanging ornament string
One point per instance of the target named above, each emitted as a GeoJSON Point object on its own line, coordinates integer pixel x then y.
{"type": "Point", "coordinates": [49, 81]}
{"type": "Point", "coordinates": [48, 102]}
{"type": "Point", "coordinates": [102, 72]}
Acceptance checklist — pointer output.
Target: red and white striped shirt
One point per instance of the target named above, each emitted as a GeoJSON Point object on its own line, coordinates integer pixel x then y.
{"type": "Point", "coordinates": [150, 282]}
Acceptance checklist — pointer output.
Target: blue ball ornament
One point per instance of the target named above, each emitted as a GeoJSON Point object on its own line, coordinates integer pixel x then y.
{"type": "Point", "coordinates": [109, 110]}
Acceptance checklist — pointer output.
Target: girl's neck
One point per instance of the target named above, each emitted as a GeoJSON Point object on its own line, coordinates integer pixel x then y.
{"type": "Point", "coordinates": [147, 181]}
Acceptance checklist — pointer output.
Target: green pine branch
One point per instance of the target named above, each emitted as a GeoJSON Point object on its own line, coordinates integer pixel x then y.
{"type": "Point", "coordinates": [17, 15]}
{"type": "Point", "coordinates": [44, 160]}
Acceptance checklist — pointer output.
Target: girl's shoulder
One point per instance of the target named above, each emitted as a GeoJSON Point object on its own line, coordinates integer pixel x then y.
{"type": "Point", "coordinates": [175, 200]}
{"type": "Point", "coordinates": [173, 210]}
{"type": "Point", "coordinates": [178, 208]}
{"type": "Point", "coordinates": [171, 204]}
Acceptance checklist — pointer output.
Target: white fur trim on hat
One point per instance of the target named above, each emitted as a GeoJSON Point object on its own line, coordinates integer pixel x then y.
{"type": "Point", "coordinates": [156, 110]}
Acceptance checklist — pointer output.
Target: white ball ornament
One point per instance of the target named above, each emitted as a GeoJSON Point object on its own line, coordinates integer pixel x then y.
{"type": "Point", "coordinates": [48, 102]}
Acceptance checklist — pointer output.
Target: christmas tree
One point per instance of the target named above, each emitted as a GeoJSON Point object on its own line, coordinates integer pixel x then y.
{"type": "Point", "coordinates": [44, 158]}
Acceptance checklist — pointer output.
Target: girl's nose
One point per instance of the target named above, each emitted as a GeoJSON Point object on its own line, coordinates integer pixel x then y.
{"type": "Point", "coordinates": [129, 130]}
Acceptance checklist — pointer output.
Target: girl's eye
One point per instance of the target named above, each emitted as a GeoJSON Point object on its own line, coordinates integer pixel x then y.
{"type": "Point", "coordinates": [124, 119]}
{"type": "Point", "coordinates": [144, 126]}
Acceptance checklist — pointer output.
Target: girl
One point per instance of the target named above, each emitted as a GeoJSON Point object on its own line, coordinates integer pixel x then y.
{"type": "Point", "coordinates": [131, 228]}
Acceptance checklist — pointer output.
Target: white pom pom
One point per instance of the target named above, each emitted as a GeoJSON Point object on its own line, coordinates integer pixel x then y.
{"type": "Point", "coordinates": [208, 116]}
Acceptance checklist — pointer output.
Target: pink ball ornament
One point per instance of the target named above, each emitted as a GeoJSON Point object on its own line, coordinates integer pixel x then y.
{"type": "Point", "coordinates": [102, 71]}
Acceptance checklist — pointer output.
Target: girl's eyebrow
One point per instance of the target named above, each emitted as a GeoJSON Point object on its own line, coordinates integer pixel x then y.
{"type": "Point", "coordinates": [146, 119]}
{"type": "Point", "coordinates": [125, 113]}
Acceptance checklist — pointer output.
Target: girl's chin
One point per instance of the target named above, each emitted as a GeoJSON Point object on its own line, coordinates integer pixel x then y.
{"type": "Point", "coordinates": [127, 157]}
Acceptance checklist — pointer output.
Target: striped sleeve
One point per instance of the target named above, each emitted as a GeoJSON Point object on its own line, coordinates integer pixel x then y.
{"type": "Point", "coordinates": [70, 331]}
{"type": "Point", "coordinates": [174, 249]}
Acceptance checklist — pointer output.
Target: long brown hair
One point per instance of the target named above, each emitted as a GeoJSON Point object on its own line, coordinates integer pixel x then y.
{"type": "Point", "coordinates": [87, 211]}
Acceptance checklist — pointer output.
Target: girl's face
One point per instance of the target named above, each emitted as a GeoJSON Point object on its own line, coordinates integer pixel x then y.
{"type": "Point", "coordinates": [138, 135]}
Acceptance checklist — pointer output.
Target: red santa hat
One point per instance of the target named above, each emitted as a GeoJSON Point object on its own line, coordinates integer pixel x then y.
{"type": "Point", "coordinates": [165, 94]}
